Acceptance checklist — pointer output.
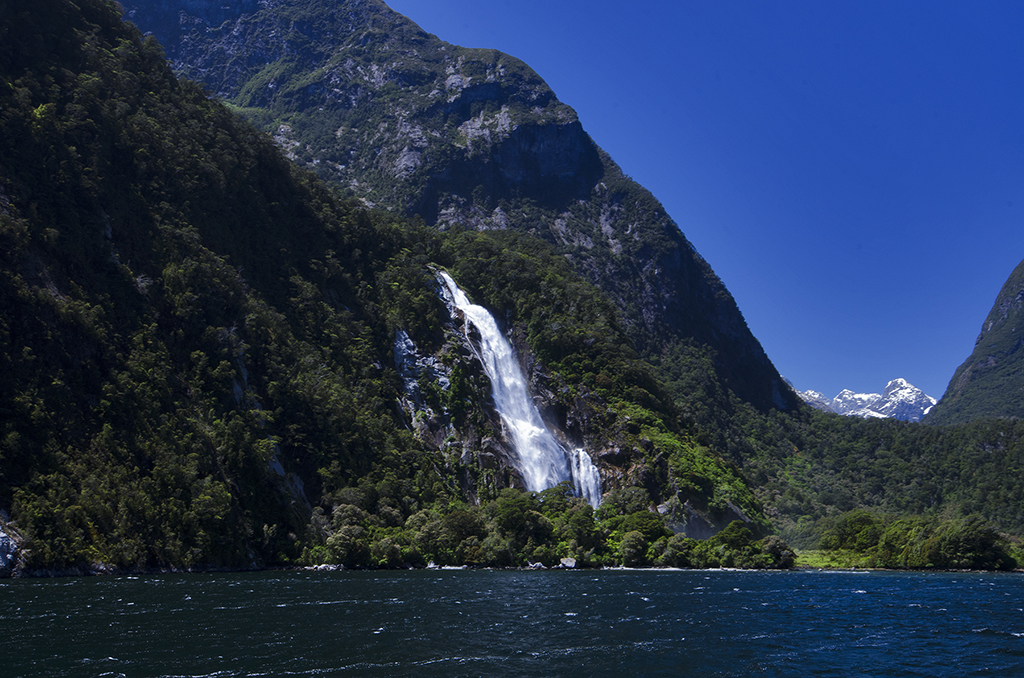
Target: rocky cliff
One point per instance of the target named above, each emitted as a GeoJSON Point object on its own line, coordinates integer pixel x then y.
{"type": "Point", "coordinates": [466, 138]}
{"type": "Point", "coordinates": [10, 546]}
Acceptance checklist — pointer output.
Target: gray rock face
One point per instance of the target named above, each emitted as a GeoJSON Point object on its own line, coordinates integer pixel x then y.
{"type": "Point", "coordinates": [687, 519]}
{"type": "Point", "coordinates": [463, 138]}
{"type": "Point", "coordinates": [167, 16]}
{"type": "Point", "coordinates": [8, 553]}
{"type": "Point", "coordinates": [413, 366]}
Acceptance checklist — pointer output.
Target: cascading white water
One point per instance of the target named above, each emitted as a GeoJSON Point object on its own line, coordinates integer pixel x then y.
{"type": "Point", "coordinates": [585, 477]}
{"type": "Point", "coordinates": [543, 462]}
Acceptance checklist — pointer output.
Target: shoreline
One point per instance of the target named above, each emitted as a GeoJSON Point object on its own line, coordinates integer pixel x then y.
{"type": "Point", "coordinates": [102, 571]}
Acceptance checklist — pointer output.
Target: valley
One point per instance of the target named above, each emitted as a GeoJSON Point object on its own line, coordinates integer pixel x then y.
{"type": "Point", "coordinates": [225, 342]}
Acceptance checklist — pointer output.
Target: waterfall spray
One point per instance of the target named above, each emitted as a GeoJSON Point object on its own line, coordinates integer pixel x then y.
{"type": "Point", "coordinates": [542, 461]}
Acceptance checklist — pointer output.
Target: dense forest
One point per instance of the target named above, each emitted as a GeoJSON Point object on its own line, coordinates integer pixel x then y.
{"type": "Point", "coordinates": [197, 338]}
{"type": "Point", "coordinates": [198, 369]}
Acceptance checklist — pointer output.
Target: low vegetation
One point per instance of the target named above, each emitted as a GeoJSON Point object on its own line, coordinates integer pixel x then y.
{"type": "Point", "coordinates": [865, 539]}
{"type": "Point", "coordinates": [517, 529]}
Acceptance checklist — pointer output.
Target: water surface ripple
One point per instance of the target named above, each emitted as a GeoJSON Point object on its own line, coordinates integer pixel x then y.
{"type": "Point", "coordinates": [508, 623]}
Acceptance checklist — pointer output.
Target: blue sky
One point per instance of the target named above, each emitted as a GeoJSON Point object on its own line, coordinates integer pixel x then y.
{"type": "Point", "coordinates": [853, 171]}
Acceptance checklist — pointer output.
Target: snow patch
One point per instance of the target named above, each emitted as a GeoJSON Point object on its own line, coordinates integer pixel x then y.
{"type": "Point", "coordinates": [899, 400]}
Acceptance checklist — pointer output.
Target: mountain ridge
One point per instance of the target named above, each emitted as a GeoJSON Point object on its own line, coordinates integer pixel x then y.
{"type": "Point", "coordinates": [989, 384]}
{"type": "Point", "coordinates": [898, 400]}
{"type": "Point", "coordinates": [468, 138]}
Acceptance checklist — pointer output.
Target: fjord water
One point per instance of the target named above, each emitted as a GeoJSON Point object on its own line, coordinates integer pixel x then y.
{"type": "Point", "coordinates": [543, 462]}
{"type": "Point", "coordinates": [515, 623]}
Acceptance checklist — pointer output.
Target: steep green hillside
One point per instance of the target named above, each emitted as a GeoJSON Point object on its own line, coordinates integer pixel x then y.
{"type": "Point", "coordinates": [199, 354]}
{"type": "Point", "coordinates": [161, 352]}
{"type": "Point", "coordinates": [821, 465]}
{"type": "Point", "coordinates": [472, 138]}
{"type": "Point", "coordinates": [197, 349]}
{"type": "Point", "coordinates": [990, 383]}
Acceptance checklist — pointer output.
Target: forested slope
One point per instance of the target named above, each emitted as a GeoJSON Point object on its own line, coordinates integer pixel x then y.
{"type": "Point", "coordinates": [470, 138]}
{"type": "Point", "coordinates": [196, 348]}
{"type": "Point", "coordinates": [152, 244]}
{"type": "Point", "coordinates": [990, 383]}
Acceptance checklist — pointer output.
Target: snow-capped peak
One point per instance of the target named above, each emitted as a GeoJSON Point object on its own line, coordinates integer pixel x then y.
{"type": "Point", "coordinates": [848, 402]}
{"type": "Point", "coordinates": [899, 400]}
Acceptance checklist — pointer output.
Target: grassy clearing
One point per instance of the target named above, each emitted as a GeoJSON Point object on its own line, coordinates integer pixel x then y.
{"type": "Point", "coordinates": [829, 560]}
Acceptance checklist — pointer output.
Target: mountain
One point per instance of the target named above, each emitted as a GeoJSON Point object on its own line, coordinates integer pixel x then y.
{"type": "Point", "coordinates": [899, 400]}
{"type": "Point", "coordinates": [210, 358]}
{"type": "Point", "coordinates": [474, 139]}
{"type": "Point", "coordinates": [818, 401]}
{"type": "Point", "coordinates": [990, 383]}
{"type": "Point", "coordinates": [849, 403]}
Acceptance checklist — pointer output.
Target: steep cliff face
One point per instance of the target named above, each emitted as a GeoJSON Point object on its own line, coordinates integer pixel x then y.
{"type": "Point", "coordinates": [990, 383]}
{"type": "Point", "coordinates": [449, 402]}
{"type": "Point", "coordinates": [378, 103]}
{"type": "Point", "coordinates": [465, 138]}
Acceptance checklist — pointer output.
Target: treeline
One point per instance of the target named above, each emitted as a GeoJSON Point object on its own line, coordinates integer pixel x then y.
{"type": "Point", "coordinates": [517, 529]}
{"type": "Point", "coordinates": [809, 465]}
{"type": "Point", "coordinates": [868, 539]}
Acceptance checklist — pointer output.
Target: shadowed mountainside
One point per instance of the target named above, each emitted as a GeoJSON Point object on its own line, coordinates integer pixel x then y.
{"type": "Point", "coordinates": [990, 383]}
{"type": "Point", "coordinates": [198, 349]}
{"type": "Point", "coordinates": [469, 138]}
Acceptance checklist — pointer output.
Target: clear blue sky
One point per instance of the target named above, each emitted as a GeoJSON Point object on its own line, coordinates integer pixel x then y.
{"type": "Point", "coordinates": [853, 171]}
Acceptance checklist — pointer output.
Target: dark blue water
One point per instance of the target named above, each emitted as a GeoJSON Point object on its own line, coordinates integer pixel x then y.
{"type": "Point", "coordinates": [487, 623]}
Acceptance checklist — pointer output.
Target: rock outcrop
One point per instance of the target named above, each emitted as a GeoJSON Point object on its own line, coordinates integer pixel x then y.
{"type": "Point", "coordinates": [10, 547]}
{"type": "Point", "coordinates": [465, 138]}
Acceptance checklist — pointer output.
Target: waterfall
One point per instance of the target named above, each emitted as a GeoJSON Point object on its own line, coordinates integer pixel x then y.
{"type": "Point", "coordinates": [585, 477]}
{"type": "Point", "coordinates": [542, 461]}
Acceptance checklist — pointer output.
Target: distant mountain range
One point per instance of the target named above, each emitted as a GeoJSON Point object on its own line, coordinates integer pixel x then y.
{"type": "Point", "coordinates": [987, 385]}
{"type": "Point", "coordinates": [900, 400]}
